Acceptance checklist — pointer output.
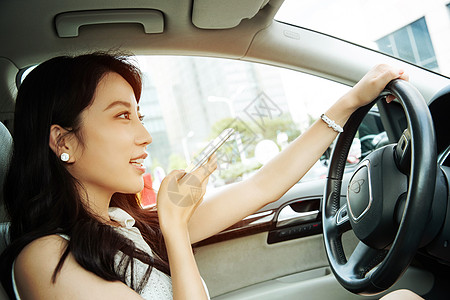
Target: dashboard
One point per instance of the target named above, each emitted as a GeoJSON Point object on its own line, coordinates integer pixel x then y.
{"type": "Point", "coordinates": [439, 109]}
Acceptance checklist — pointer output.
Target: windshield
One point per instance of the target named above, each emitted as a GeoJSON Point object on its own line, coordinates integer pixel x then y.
{"type": "Point", "coordinates": [416, 31]}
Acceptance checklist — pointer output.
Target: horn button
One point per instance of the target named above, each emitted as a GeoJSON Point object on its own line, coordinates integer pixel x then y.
{"type": "Point", "coordinates": [359, 192]}
{"type": "Point", "coordinates": [372, 195]}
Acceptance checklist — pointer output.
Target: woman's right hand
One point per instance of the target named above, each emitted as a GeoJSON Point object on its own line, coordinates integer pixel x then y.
{"type": "Point", "coordinates": [181, 193]}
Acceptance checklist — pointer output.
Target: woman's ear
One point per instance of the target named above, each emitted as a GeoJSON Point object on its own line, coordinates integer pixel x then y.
{"type": "Point", "coordinates": [59, 143]}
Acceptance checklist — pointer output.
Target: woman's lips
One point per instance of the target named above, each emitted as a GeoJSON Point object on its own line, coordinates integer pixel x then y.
{"type": "Point", "coordinates": [138, 163]}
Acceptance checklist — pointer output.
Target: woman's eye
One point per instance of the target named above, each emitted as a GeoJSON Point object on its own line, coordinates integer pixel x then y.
{"type": "Point", "coordinates": [124, 115]}
{"type": "Point", "coordinates": [141, 118]}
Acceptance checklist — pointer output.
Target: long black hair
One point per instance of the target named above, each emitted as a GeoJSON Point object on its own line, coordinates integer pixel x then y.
{"type": "Point", "coordinates": [41, 196]}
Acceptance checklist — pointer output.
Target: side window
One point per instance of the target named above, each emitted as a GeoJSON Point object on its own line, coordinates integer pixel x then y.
{"type": "Point", "coordinates": [371, 133]}
{"type": "Point", "coordinates": [370, 136]}
{"type": "Point", "coordinates": [188, 101]}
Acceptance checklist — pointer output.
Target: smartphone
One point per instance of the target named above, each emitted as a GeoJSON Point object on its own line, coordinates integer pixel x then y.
{"type": "Point", "coordinates": [209, 150]}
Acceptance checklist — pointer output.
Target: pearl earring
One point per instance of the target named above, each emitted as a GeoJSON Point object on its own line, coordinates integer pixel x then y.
{"type": "Point", "coordinates": [65, 157]}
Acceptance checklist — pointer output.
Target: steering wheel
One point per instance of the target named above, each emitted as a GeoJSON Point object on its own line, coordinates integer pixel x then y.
{"type": "Point", "coordinates": [389, 198]}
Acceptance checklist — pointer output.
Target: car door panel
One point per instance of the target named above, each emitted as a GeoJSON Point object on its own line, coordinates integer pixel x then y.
{"type": "Point", "coordinates": [249, 268]}
{"type": "Point", "coordinates": [243, 263]}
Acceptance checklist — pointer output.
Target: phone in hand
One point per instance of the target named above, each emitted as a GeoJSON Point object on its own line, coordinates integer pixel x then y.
{"type": "Point", "coordinates": [209, 150]}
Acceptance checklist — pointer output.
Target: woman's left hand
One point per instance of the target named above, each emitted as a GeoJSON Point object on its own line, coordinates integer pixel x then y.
{"type": "Point", "coordinates": [181, 193]}
{"type": "Point", "coordinates": [373, 83]}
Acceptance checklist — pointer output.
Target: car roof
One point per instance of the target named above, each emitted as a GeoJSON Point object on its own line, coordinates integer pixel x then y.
{"type": "Point", "coordinates": [32, 31]}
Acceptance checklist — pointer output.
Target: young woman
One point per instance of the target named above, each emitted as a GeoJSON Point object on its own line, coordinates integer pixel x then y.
{"type": "Point", "coordinates": [77, 230]}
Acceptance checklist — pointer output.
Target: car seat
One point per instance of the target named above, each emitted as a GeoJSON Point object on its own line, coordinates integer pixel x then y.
{"type": "Point", "coordinates": [5, 153]}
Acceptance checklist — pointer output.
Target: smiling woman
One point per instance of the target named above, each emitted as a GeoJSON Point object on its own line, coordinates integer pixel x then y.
{"type": "Point", "coordinates": [209, 65]}
{"type": "Point", "coordinates": [75, 217]}
{"type": "Point", "coordinates": [112, 132]}
{"type": "Point", "coordinates": [85, 108]}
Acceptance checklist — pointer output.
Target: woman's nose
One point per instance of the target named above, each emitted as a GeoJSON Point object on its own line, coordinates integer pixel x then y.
{"type": "Point", "coordinates": [144, 137]}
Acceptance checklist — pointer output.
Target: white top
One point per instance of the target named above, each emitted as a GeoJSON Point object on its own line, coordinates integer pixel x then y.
{"type": "Point", "coordinates": [159, 285]}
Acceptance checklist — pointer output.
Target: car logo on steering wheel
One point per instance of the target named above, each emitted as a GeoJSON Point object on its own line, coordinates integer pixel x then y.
{"type": "Point", "coordinates": [355, 187]}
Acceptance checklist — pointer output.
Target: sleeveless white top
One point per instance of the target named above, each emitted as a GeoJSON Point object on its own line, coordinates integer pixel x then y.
{"type": "Point", "coordinates": [159, 285]}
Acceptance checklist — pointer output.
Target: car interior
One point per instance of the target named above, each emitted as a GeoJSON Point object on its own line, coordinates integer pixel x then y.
{"type": "Point", "coordinates": [316, 241]}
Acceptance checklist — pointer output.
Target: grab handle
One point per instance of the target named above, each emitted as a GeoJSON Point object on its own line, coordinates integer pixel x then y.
{"type": "Point", "coordinates": [68, 24]}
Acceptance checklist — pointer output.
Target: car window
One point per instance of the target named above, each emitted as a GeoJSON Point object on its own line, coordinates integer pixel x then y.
{"type": "Point", "coordinates": [370, 136]}
{"type": "Point", "coordinates": [188, 101]}
{"type": "Point", "coordinates": [417, 30]}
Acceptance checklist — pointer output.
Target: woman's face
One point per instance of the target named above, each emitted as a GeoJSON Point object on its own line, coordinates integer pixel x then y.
{"type": "Point", "coordinates": [114, 141]}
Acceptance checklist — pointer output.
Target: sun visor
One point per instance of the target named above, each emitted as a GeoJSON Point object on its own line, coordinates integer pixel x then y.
{"type": "Point", "coordinates": [68, 24]}
{"type": "Point", "coordinates": [220, 14]}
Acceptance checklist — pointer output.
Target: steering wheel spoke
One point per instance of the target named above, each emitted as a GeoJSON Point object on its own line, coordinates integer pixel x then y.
{"type": "Point", "coordinates": [364, 259]}
{"type": "Point", "coordinates": [403, 152]}
{"type": "Point", "coordinates": [342, 220]}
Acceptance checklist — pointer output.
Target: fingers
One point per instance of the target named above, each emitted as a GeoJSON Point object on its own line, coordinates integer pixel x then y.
{"type": "Point", "coordinates": [181, 193]}
{"type": "Point", "coordinates": [182, 189]}
{"type": "Point", "coordinates": [200, 175]}
{"type": "Point", "coordinates": [175, 173]}
{"type": "Point", "coordinates": [404, 76]}
{"type": "Point", "coordinates": [207, 169]}
{"type": "Point", "coordinates": [390, 98]}
{"type": "Point", "coordinates": [388, 73]}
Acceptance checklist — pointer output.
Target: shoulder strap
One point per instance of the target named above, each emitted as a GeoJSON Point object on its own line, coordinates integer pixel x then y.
{"type": "Point", "coordinates": [64, 236]}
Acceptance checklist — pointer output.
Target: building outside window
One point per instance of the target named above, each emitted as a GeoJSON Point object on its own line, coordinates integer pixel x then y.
{"type": "Point", "coordinates": [411, 43]}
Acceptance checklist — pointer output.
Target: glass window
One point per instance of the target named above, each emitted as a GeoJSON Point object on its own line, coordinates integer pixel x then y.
{"type": "Point", "coordinates": [411, 43]}
{"type": "Point", "coordinates": [414, 30]}
{"type": "Point", "coordinates": [188, 101]}
{"type": "Point", "coordinates": [370, 136]}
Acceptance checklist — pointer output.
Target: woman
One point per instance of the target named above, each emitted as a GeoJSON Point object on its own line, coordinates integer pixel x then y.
{"type": "Point", "coordinates": [77, 229]}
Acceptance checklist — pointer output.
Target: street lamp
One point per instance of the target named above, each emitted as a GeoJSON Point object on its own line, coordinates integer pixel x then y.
{"type": "Point", "coordinates": [185, 146]}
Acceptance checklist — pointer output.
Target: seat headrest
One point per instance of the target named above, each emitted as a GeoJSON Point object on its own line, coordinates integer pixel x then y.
{"type": "Point", "coordinates": [5, 156]}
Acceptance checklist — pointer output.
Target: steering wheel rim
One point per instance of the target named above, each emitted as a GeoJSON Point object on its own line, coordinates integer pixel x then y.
{"type": "Point", "coordinates": [371, 270]}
